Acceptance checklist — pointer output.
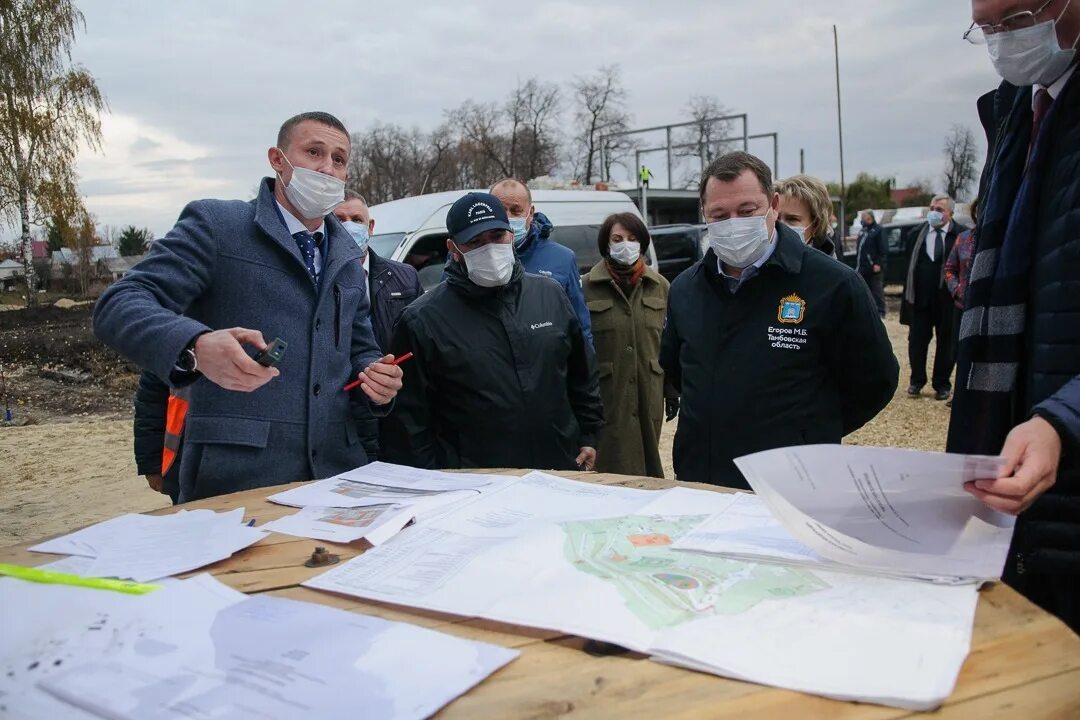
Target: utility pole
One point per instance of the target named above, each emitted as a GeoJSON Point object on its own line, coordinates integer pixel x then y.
{"type": "Point", "coordinates": [839, 114]}
{"type": "Point", "coordinates": [802, 161]}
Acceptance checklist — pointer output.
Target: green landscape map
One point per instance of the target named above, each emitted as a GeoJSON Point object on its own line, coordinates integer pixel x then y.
{"type": "Point", "coordinates": [665, 587]}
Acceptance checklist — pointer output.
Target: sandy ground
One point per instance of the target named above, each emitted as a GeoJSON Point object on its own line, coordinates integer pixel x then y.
{"type": "Point", "coordinates": [63, 475]}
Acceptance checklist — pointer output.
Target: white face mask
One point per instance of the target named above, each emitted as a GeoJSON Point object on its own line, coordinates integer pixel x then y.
{"type": "Point", "coordinates": [1030, 55]}
{"type": "Point", "coordinates": [740, 241]}
{"type": "Point", "coordinates": [801, 230]}
{"type": "Point", "coordinates": [359, 233]}
{"type": "Point", "coordinates": [313, 194]}
{"type": "Point", "coordinates": [490, 265]}
{"type": "Point", "coordinates": [626, 252]}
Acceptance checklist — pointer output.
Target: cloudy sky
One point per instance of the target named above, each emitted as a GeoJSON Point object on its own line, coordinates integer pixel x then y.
{"type": "Point", "coordinates": [198, 89]}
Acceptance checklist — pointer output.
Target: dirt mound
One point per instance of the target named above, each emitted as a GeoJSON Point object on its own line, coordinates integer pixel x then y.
{"type": "Point", "coordinates": [45, 350]}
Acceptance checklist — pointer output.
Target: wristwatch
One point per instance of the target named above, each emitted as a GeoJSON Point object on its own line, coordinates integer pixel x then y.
{"type": "Point", "coordinates": [187, 362]}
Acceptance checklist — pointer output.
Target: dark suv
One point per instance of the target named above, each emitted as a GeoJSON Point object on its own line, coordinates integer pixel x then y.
{"type": "Point", "coordinates": [677, 247]}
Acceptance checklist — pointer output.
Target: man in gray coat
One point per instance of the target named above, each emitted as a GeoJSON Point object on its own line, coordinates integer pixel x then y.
{"type": "Point", "coordinates": [228, 275]}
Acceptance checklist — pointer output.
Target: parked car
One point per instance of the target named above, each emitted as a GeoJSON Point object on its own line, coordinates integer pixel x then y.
{"type": "Point", "coordinates": [677, 247]}
{"type": "Point", "coordinates": [413, 229]}
{"type": "Point", "coordinates": [900, 238]}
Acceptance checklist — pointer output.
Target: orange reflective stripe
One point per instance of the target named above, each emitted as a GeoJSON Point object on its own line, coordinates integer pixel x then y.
{"type": "Point", "coordinates": [174, 428]}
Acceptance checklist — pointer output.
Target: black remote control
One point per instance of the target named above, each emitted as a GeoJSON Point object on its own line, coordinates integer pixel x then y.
{"type": "Point", "coordinates": [272, 354]}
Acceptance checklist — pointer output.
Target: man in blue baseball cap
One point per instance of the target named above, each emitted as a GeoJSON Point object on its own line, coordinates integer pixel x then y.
{"type": "Point", "coordinates": [501, 374]}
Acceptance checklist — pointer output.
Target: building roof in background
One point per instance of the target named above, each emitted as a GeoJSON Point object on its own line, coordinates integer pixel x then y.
{"type": "Point", "coordinates": [66, 256]}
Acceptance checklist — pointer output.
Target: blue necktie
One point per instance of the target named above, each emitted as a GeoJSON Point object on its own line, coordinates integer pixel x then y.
{"type": "Point", "coordinates": [307, 243]}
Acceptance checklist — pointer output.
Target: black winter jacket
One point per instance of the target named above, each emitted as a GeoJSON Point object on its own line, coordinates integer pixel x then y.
{"type": "Point", "coordinates": [1045, 562]}
{"type": "Point", "coordinates": [796, 356]}
{"type": "Point", "coordinates": [151, 404]}
{"type": "Point", "coordinates": [500, 377]}
{"type": "Point", "coordinates": [393, 285]}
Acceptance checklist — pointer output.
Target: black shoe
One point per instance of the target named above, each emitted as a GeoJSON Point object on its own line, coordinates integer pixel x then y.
{"type": "Point", "coordinates": [914, 390]}
{"type": "Point", "coordinates": [941, 395]}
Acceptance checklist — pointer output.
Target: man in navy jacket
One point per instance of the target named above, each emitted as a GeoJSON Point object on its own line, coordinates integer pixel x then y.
{"type": "Point", "coordinates": [538, 254]}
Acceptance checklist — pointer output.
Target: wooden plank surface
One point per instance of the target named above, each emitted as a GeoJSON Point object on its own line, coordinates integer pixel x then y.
{"type": "Point", "coordinates": [1023, 661]}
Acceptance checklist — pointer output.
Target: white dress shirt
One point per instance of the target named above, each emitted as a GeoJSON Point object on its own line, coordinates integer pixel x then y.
{"type": "Point", "coordinates": [931, 240]}
{"type": "Point", "coordinates": [293, 225]}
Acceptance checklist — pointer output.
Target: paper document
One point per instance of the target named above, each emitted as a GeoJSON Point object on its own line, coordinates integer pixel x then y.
{"type": "Point", "coordinates": [198, 649]}
{"type": "Point", "coordinates": [147, 547]}
{"type": "Point", "coordinates": [599, 562]}
{"type": "Point", "coordinates": [887, 510]}
{"type": "Point", "coordinates": [375, 523]}
{"type": "Point", "coordinates": [401, 476]}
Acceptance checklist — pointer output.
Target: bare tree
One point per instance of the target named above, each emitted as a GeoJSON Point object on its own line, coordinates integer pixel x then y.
{"type": "Point", "coordinates": [599, 109]}
{"type": "Point", "coordinates": [532, 112]}
{"type": "Point", "coordinates": [48, 107]}
{"type": "Point", "coordinates": [961, 157]}
{"type": "Point", "coordinates": [707, 138]}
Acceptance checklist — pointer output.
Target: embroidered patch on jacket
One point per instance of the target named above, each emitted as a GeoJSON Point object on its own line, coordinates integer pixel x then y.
{"type": "Point", "coordinates": [792, 310]}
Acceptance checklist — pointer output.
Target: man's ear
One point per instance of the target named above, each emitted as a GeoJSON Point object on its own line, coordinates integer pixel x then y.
{"type": "Point", "coordinates": [371, 226]}
{"type": "Point", "coordinates": [452, 250]}
{"type": "Point", "coordinates": [278, 163]}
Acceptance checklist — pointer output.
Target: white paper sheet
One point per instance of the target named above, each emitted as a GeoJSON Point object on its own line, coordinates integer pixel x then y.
{"type": "Point", "coordinates": [883, 509]}
{"type": "Point", "coordinates": [401, 476]}
{"type": "Point", "coordinates": [544, 555]}
{"type": "Point", "coordinates": [375, 523]}
{"type": "Point", "coordinates": [265, 657]}
{"type": "Point", "coordinates": [145, 547]}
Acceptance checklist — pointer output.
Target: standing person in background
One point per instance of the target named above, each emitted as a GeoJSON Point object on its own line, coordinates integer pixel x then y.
{"type": "Point", "coordinates": [392, 286]}
{"type": "Point", "coordinates": [870, 256]}
{"type": "Point", "coordinates": [805, 207]}
{"type": "Point", "coordinates": [538, 254]}
{"type": "Point", "coordinates": [927, 306]}
{"type": "Point", "coordinates": [1018, 373]}
{"type": "Point", "coordinates": [627, 301]}
{"type": "Point", "coordinates": [957, 271]}
{"type": "Point", "coordinates": [157, 429]}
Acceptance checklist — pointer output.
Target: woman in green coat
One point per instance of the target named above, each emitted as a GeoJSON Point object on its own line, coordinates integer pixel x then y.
{"type": "Point", "coordinates": [627, 302]}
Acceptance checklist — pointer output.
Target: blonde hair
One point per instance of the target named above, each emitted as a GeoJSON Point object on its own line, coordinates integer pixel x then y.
{"type": "Point", "coordinates": [813, 193]}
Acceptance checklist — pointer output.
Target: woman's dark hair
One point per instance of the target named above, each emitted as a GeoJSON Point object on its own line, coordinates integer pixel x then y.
{"type": "Point", "coordinates": [633, 225]}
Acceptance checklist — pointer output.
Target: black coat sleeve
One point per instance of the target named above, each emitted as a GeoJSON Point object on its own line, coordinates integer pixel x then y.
{"type": "Point", "coordinates": [407, 435]}
{"type": "Point", "coordinates": [151, 405]}
{"type": "Point", "coordinates": [863, 357]}
{"type": "Point", "coordinates": [669, 355]}
{"type": "Point", "coordinates": [583, 382]}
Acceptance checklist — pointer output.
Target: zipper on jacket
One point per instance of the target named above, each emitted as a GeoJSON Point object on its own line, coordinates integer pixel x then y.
{"type": "Point", "coordinates": [337, 316]}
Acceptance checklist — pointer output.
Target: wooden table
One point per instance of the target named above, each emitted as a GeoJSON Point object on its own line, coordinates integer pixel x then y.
{"type": "Point", "coordinates": [1024, 663]}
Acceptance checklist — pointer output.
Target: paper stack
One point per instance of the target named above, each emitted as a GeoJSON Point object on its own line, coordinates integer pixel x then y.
{"type": "Point", "coordinates": [195, 648]}
{"type": "Point", "coordinates": [147, 547]}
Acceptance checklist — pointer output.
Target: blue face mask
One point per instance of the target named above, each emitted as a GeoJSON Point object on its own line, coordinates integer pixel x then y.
{"type": "Point", "coordinates": [520, 229]}
{"type": "Point", "coordinates": [936, 218]}
{"type": "Point", "coordinates": [359, 234]}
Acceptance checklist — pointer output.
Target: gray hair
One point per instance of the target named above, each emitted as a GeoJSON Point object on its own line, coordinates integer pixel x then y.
{"type": "Point", "coordinates": [946, 198]}
{"type": "Point", "coordinates": [353, 195]}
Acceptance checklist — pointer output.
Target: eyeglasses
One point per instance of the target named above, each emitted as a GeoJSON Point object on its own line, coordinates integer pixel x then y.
{"type": "Point", "coordinates": [976, 34]}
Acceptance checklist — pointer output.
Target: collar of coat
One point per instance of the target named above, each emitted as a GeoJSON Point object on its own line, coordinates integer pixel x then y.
{"type": "Point", "coordinates": [600, 274]}
{"type": "Point", "coordinates": [788, 255]}
{"type": "Point", "coordinates": [339, 248]}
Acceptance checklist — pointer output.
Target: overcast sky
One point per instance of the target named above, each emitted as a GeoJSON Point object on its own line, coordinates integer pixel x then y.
{"type": "Point", "coordinates": [198, 89]}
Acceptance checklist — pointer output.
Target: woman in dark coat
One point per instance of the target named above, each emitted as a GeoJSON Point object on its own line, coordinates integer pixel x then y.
{"type": "Point", "coordinates": [627, 302]}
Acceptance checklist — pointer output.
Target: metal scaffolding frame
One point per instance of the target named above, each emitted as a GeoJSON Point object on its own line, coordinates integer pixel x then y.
{"type": "Point", "coordinates": [689, 146]}
{"type": "Point", "coordinates": [742, 117]}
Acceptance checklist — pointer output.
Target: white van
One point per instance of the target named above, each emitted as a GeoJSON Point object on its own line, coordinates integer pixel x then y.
{"type": "Point", "coordinates": [413, 230]}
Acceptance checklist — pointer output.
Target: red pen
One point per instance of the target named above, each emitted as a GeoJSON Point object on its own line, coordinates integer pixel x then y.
{"type": "Point", "coordinates": [397, 361]}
